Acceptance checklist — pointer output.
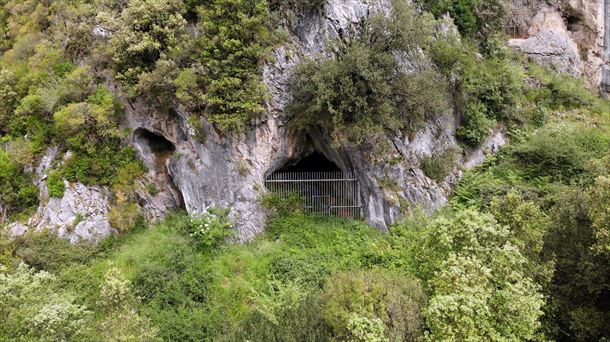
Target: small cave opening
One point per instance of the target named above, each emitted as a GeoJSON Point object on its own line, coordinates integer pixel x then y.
{"type": "Point", "coordinates": [573, 23]}
{"type": "Point", "coordinates": [155, 150]}
{"type": "Point", "coordinates": [158, 145]}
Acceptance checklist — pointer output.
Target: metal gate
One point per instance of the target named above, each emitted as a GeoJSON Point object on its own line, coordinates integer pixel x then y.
{"type": "Point", "coordinates": [323, 193]}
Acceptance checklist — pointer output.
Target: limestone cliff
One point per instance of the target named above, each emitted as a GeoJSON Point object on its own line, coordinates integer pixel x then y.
{"type": "Point", "coordinates": [568, 35]}
{"type": "Point", "coordinates": [196, 166]}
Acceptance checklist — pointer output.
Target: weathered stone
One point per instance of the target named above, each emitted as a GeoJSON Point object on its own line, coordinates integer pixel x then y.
{"type": "Point", "coordinates": [566, 34]}
{"type": "Point", "coordinates": [230, 170]}
{"type": "Point", "coordinates": [81, 214]}
{"type": "Point", "coordinates": [550, 44]}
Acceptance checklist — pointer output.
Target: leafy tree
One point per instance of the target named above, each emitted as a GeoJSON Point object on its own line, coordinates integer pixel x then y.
{"type": "Point", "coordinates": [32, 310]}
{"type": "Point", "coordinates": [474, 18]}
{"type": "Point", "coordinates": [376, 303]}
{"type": "Point", "coordinates": [579, 305]}
{"type": "Point", "coordinates": [368, 85]}
{"type": "Point", "coordinates": [599, 213]}
{"type": "Point", "coordinates": [224, 83]}
{"type": "Point", "coordinates": [479, 288]}
{"type": "Point", "coordinates": [122, 321]}
{"type": "Point", "coordinates": [144, 32]}
{"type": "Point", "coordinates": [528, 225]}
{"type": "Point", "coordinates": [562, 152]}
{"type": "Point", "coordinates": [9, 97]}
{"type": "Point", "coordinates": [17, 191]}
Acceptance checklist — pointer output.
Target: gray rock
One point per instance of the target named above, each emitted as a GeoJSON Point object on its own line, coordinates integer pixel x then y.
{"type": "Point", "coordinates": [565, 34]}
{"type": "Point", "coordinates": [230, 170]}
{"type": "Point", "coordinates": [550, 44]}
{"type": "Point", "coordinates": [81, 214]}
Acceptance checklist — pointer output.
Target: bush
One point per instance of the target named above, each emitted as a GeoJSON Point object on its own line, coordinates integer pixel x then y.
{"type": "Point", "coordinates": [485, 91]}
{"type": "Point", "coordinates": [563, 92]}
{"type": "Point", "coordinates": [210, 229]}
{"type": "Point", "coordinates": [44, 251]}
{"type": "Point", "coordinates": [355, 301]}
{"type": "Point", "coordinates": [528, 224]}
{"type": "Point", "coordinates": [56, 185]}
{"type": "Point", "coordinates": [283, 206]}
{"type": "Point", "coordinates": [122, 321]}
{"type": "Point", "coordinates": [224, 80]}
{"type": "Point", "coordinates": [562, 152]}
{"type": "Point", "coordinates": [295, 319]}
{"type": "Point", "coordinates": [143, 32]}
{"type": "Point", "coordinates": [124, 216]}
{"type": "Point", "coordinates": [364, 88]}
{"type": "Point", "coordinates": [32, 310]}
{"type": "Point", "coordinates": [474, 18]}
{"type": "Point", "coordinates": [479, 288]}
{"type": "Point", "coordinates": [579, 290]}
{"type": "Point", "coordinates": [439, 166]}
{"type": "Point", "coordinates": [10, 95]}
{"type": "Point", "coordinates": [17, 191]}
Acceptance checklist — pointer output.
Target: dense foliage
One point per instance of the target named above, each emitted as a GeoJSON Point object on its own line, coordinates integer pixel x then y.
{"type": "Point", "coordinates": [478, 18]}
{"type": "Point", "coordinates": [522, 251]}
{"type": "Point", "coordinates": [377, 79]}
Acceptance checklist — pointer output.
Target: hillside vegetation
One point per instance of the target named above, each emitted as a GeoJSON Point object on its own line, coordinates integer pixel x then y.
{"type": "Point", "coordinates": [521, 252]}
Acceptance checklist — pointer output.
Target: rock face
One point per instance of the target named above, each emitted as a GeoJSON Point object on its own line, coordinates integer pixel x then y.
{"type": "Point", "coordinates": [196, 166]}
{"type": "Point", "coordinates": [81, 214]}
{"type": "Point", "coordinates": [230, 171]}
{"type": "Point", "coordinates": [567, 35]}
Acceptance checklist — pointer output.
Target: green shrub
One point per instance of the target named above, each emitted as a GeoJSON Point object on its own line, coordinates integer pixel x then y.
{"type": "Point", "coordinates": [45, 251]}
{"type": "Point", "coordinates": [477, 125]}
{"type": "Point", "coordinates": [485, 91]}
{"type": "Point", "coordinates": [209, 229]}
{"type": "Point", "coordinates": [55, 184]}
{"type": "Point", "coordinates": [363, 329]}
{"type": "Point", "coordinates": [563, 92]}
{"type": "Point", "coordinates": [32, 310]}
{"type": "Point", "coordinates": [297, 321]}
{"type": "Point", "coordinates": [283, 206]}
{"type": "Point", "coordinates": [599, 197]}
{"type": "Point", "coordinates": [224, 81]}
{"type": "Point", "coordinates": [9, 97]}
{"type": "Point", "coordinates": [562, 152]}
{"type": "Point", "coordinates": [124, 216]}
{"type": "Point", "coordinates": [578, 292]}
{"type": "Point", "coordinates": [439, 166]}
{"type": "Point", "coordinates": [480, 18]}
{"type": "Point", "coordinates": [364, 88]}
{"type": "Point", "coordinates": [122, 322]}
{"type": "Point", "coordinates": [479, 288]}
{"type": "Point", "coordinates": [144, 31]}
{"type": "Point", "coordinates": [17, 191]}
{"type": "Point", "coordinates": [374, 295]}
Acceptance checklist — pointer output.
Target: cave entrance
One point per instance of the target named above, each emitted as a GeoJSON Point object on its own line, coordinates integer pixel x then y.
{"type": "Point", "coordinates": [158, 147]}
{"type": "Point", "coordinates": [323, 188]}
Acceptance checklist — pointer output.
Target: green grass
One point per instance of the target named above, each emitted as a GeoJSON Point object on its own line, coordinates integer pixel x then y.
{"type": "Point", "coordinates": [194, 294]}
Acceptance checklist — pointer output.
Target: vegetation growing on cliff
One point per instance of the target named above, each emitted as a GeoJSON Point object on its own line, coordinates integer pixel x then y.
{"type": "Point", "coordinates": [520, 253]}
{"type": "Point", "coordinates": [377, 79]}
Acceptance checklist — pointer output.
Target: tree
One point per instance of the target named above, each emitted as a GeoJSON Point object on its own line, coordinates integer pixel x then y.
{"type": "Point", "coordinates": [377, 79]}
{"type": "Point", "coordinates": [144, 32]}
{"type": "Point", "coordinates": [580, 290]}
{"type": "Point", "coordinates": [32, 310]}
{"type": "Point", "coordinates": [122, 322]}
{"type": "Point", "coordinates": [479, 289]}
